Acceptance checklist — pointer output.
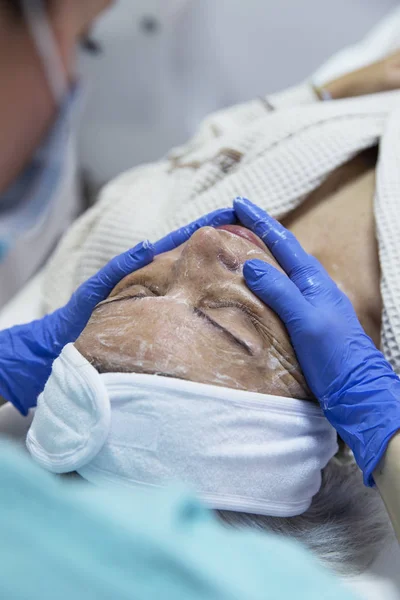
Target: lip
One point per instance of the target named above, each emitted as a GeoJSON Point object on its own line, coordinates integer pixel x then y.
{"type": "Point", "coordinates": [244, 233]}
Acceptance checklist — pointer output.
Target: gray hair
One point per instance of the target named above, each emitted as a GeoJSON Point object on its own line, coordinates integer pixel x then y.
{"type": "Point", "coordinates": [345, 527]}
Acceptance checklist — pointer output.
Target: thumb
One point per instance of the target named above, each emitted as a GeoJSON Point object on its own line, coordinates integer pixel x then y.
{"type": "Point", "coordinates": [275, 289]}
{"type": "Point", "coordinates": [99, 286]}
{"type": "Point", "coordinates": [120, 266]}
{"type": "Point", "coordinates": [69, 321]}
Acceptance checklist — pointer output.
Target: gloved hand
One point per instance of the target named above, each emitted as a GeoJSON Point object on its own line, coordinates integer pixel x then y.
{"type": "Point", "coordinates": [27, 351]}
{"type": "Point", "coordinates": [356, 387]}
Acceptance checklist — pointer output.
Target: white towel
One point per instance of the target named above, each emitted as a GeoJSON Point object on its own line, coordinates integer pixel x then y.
{"type": "Point", "coordinates": [239, 450]}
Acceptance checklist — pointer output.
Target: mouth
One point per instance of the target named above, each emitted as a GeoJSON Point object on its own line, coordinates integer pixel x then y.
{"type": "Point", "coordinates": [244, 233]}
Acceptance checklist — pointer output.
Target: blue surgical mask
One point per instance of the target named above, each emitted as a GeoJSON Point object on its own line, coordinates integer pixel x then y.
{"type": "Point", "coordinates": [25, 203]}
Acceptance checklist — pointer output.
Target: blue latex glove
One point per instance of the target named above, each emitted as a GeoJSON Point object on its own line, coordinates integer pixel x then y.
{"type": "Point", "coordinates": [357, 388]}
{"type": "Point", "coordinates": [27, 351]}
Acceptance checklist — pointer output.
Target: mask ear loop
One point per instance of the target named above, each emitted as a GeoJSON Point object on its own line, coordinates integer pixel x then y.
{"type": "Point", "coordinates": [46, 45]}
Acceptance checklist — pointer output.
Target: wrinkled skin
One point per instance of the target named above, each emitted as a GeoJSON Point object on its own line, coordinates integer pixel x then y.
{"type": "Point", "coordinates": [168, 318]}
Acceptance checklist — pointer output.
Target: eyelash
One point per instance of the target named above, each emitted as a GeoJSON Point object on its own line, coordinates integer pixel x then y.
{"type": "Point", "coordinates": [126, 296]}
{"type": "Point", "coordinates": [147, 288]}
{"type": "Point", "coordinates": [238, 305]}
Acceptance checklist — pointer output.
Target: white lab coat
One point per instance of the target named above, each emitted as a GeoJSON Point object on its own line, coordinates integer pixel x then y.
{"type": "Point", "coordinates": [152, 85]}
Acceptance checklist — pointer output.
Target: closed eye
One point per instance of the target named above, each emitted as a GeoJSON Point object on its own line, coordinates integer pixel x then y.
{"type": "Point", "coordinates": [229, 334]}
{"type": "Point", "coordinates": [144, 293]}
{"type": "Point", "coordinates": [250, 314]}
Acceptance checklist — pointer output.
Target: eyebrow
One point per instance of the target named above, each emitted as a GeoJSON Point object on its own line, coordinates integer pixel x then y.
{"type": "Point", "coordinates": [228, 334]}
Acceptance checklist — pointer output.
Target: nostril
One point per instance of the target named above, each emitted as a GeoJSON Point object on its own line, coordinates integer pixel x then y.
{"type": "Point", "coordinates": [208, 244]}
{"type": "Point", "coordinates": [229, 261]}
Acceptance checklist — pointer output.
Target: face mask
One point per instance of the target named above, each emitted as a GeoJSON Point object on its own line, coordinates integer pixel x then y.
{"type": "Point", "coordinates": [27, 201]}
{"type": "Point", "coordinates": [239, 450]}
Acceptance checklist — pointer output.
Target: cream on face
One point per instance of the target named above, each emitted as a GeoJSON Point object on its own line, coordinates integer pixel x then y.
{"type": "Point", "coordinates": [189, 314]}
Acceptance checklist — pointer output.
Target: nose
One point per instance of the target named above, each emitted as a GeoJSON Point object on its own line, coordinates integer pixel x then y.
{"type": "Point", "coordinates": [207, 248]}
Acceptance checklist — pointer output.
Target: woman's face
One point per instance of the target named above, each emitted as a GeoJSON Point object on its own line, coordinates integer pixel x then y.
{"type": "Point", "coordinates": [189, 314]}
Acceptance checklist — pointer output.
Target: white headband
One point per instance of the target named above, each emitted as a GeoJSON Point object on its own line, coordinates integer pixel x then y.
{"type": "Point", "coordinates": [239, 450]}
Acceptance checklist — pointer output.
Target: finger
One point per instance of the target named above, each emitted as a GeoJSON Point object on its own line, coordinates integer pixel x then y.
{"type": "Point", "coordinates": [303, 269]}
{"type": "Point", "coordinates": [276, 290]}
{"type": "Point", "coordinates": [222, 216]}
{"type": "Point", "coordinates": [98, 287]}
{"type": "Point", "coordinates": [124, 264]}
{"type": "Point", "coordinates": [68, 322]}
{"type": "Point", "coordinates": [314, 281]}
{"type": "Point", "coordinates": [282, 243]}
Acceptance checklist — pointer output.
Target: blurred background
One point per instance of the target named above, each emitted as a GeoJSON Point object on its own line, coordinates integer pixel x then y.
{"type": "Point", "coordinates": [163, 65]}
{"type": "Point", "coordinates": [145, 74]}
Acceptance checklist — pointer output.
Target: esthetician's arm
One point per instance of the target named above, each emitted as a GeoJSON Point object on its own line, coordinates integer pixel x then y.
{"type": "Point", "coordinates": [357, 388]}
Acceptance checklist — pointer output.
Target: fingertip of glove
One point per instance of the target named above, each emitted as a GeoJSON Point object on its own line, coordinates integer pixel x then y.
{"type": "Point", "coordinates": [222, 216]}
{"type": "Point", "coordinates": [240, 200]}
{"type": "Point", "coordinates": [248, 208]}
{"type": "Point", "coordinates": [140, 255]}
{"type": "Point", "coordinates": [251, 214]}
{"type": "Point", "coordinates": [147, 245]}
{"type": "Point", "coordinates": [255, 268]}
{"type": "Point", "coordinates": [143, 249]}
